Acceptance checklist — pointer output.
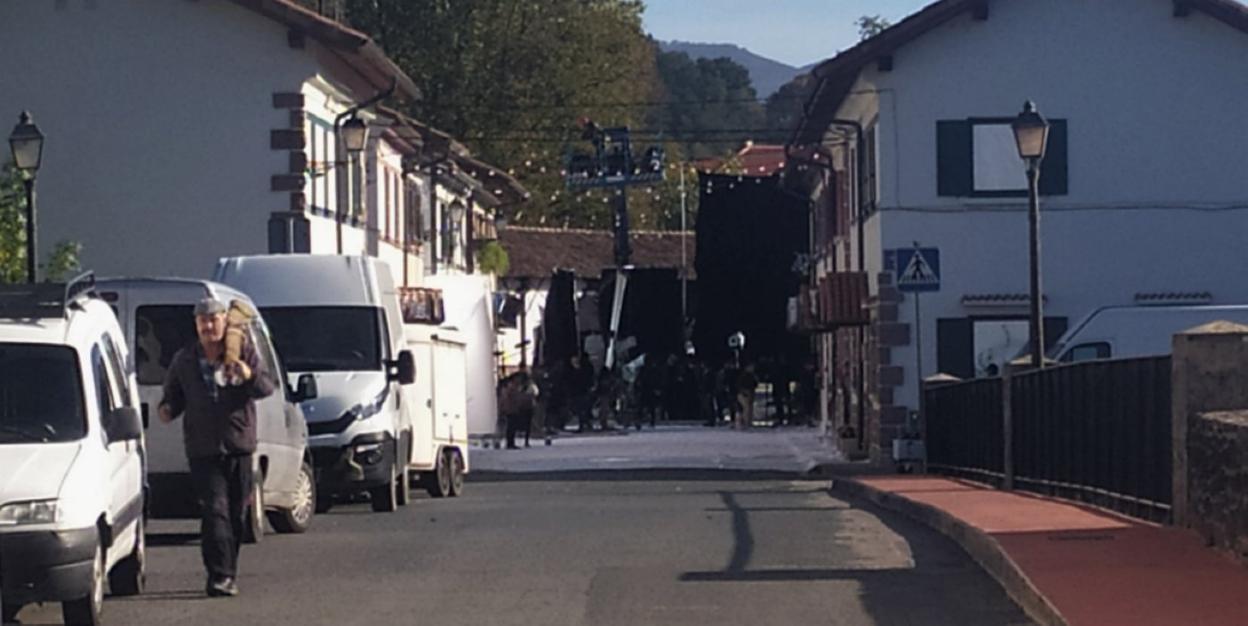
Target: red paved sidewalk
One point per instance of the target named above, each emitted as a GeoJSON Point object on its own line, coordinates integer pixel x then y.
{"type": "Point", "coordinates": [1095, 568]}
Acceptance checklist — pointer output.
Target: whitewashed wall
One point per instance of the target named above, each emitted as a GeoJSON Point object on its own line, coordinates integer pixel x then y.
{"type": "Point", "coordinates": [157, 115]}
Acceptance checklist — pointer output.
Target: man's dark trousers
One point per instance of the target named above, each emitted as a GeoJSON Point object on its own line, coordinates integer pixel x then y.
{"type": "Point", "coordinates": [223, 486]}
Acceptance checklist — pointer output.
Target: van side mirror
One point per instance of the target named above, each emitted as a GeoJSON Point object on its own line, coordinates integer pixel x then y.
{"type": "Point", "coordinates": [305, 389]}
{"type": "Point", "coordinates": [124, 424]}
{"type": "Point", "coordinates": [403, 368]}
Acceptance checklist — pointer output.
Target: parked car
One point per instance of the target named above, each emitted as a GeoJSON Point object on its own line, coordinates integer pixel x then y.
{"type": "Point", "coordinates": [337, 318]}
{"type": "Point", "coordinates": [1119, 332]}
{"type": "Point", "coordinates": [157, 315]}
{"type": "Point", "coordinates": [71, 453]}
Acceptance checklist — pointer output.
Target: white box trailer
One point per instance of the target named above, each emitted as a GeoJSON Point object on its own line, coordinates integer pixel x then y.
{"type": "Point", "coordinates": [439, 408]}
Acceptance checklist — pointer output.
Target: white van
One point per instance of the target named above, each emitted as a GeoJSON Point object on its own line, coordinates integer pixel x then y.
{"type": "Point", "coordinates": [337, 318]}
{"type": "Point", "coordinates": [157, 317]}
{"type": "Point", "coordinates": [71, 453]}
{"type": "Point", "coordinates": [1119, 332]}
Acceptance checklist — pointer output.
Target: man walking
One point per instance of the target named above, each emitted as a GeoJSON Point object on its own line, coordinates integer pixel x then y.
{"type": "Point", "coordinates": [219, 431]}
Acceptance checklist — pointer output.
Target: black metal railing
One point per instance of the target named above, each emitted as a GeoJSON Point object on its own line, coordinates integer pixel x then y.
{"type": "Point", "coordinates": [1098, 432]}
{"type": "Point", "coordinates": [964, 429]}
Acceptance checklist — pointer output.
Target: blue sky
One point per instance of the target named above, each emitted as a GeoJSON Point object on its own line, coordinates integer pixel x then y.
{"type": "Point", "coordinates": [797, 32]}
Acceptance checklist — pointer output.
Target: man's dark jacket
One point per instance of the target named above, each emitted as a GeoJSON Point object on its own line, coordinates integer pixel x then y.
{"type": "Point", "coordinates": [226, 424]}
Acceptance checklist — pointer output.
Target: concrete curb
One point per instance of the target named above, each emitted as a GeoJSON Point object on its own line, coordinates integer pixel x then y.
{"type": "Point", "coordinates": [979, 545]}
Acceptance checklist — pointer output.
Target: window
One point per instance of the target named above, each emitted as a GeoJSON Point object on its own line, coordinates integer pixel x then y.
{"type": "Point", "coordinates": [159, 332]}
{"type": "Point", "coordinates": [978, 157]}
{"type": "Point", "coordinates": [41, 394]}
{"type": "Point", "coordinates": [120, 367]}
{"type": "Point", "coordinates": [1087, 352]}
{"type": "Point", "coordinates": [104, 389]}
{"type": "Point", "coordinates": [326, 339]}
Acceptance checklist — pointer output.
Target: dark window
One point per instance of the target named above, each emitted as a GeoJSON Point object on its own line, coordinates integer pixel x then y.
{"type": "Point", "coordinates": [978, 158]}
{"type": "Point", "coordinates": [104, 390]}
{"type": "Point", "coordinates": [159, 332]}
{"type": "Point", "coordinates": [41, 395]}
{"type": "Point", "coordinates": [120, 367]}
{"type": "Point", "coordinates": [1087, 352]}
{"type": "Point", "coordinates": [324, 339]}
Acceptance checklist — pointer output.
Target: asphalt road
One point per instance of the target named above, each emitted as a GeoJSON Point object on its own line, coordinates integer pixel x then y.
{"type": "Point", "coordinates": [626, 549]}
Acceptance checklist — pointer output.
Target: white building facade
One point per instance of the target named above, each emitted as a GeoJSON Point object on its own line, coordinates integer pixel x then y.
{"type": "Point", "coordinates": [1143, 194]}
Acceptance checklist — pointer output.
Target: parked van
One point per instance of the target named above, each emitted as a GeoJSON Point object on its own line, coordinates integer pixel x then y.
{"type": "Point", "coordinates": [71, 453]}
{"type": "Point", "coordinates": [1119, 332]}
{"type": "Point", "coordinates": [157, 315]}
{"type": "Point", "coordinates": [337, 318]}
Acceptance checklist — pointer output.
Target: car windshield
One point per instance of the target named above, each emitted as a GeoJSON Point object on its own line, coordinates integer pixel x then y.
{"type": "Point", "coordinates": [325, 339]}
{"type": "Point", "coordinates": [40, 394]}
{"type": "Point", "coordinates": [159, 332]}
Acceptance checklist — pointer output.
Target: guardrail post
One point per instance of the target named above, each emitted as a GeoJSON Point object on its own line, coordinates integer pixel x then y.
{"type": "Point", "coordinates": [1007, 431]}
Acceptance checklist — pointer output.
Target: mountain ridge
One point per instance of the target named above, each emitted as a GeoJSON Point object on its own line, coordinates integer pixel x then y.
{"type": "Point", "coordinates": [767, 75]}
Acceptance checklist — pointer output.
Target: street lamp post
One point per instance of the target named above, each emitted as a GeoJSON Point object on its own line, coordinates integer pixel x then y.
{"type": "Point", "coordinates": [1031, 132]}
{"type": "Point", "coordinates": [26, 142]}
{"type": "Point", "coordinates": [353, 137]}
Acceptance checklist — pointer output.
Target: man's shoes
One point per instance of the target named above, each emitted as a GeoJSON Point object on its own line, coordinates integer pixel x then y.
{"type": "Point", "coordinates": [222, 587]}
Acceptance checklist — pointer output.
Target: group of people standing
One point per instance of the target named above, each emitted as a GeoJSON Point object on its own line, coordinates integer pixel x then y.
{"type": "Point", "coordinates": [651, 389]}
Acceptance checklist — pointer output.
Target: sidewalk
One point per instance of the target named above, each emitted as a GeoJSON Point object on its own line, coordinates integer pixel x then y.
{"type": "Point", "coordinates": [1069, 564]}
{"type": "Point", "coordinates": [795, 449]}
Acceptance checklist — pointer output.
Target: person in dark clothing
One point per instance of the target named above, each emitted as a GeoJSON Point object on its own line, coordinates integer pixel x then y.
{"type": "Point", "coordinates": [219, 432]}
{"type": "Point", "coordinates": [580, 382]}
{"type": "Point", "coordinates": [518, 402]}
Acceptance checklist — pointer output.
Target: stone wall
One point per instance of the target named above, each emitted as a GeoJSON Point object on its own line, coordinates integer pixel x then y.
{"type": "Point", "coordinates": [1217, 452]}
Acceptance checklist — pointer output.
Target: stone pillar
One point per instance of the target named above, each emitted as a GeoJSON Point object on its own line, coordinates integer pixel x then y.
{"type": "Point", "coordinates": [1207, 373]}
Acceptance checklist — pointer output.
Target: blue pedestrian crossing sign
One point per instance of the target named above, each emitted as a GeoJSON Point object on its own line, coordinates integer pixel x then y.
{"type": "Point", "coordinates": [918, 269]}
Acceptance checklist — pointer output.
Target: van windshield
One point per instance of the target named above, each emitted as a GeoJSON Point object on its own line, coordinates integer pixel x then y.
{"type": "Point", "coordinates": [326, 339]}
{"type": "Point", "coordinates": [40, 394]}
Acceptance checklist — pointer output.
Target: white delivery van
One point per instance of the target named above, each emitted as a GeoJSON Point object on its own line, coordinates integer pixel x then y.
{"type": "Point", "coordinates": [71, 453]}
{"type": "Point", "coordinates": [337, 318]}
{"type": "Point", "coordinates": [1119, 332]}
{"type": "Point", "coordinates": [157, 317]}
{"type": "Point", "coordinates": [439, 402]}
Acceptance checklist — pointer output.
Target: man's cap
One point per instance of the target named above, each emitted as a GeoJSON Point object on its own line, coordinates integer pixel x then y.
{"type": "Point", "coordinates": [209, 306]}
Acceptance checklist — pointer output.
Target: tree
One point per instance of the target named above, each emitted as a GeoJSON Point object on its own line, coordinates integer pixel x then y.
{"type": "Point", "coordinates": [62, 260]}
{"type": "Point", "coordinates": [871, 25]}
{"type": "Point", "coordinates": [510, 78]}
{"type": "Point", "coordinates": [786, 107]}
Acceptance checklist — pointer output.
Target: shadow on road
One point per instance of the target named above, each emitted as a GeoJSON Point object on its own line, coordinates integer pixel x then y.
{"type": "Point", "coordinates": [944, 586]}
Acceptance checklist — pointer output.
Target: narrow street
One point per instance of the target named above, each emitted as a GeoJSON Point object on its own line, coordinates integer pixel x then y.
{"type": "Point", "coordinates": [632, 547]}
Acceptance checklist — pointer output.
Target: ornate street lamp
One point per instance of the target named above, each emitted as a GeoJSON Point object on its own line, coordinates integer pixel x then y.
{"type": "Point", "coordinates": [354, 135]}
{"type": "Point", "coordinates": [1031, 133]}
{"type": "Point", "coordinates": [26, 143]}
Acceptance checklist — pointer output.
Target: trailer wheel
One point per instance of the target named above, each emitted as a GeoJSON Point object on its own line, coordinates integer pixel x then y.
{"type": "Point", "coordinates": [457, 472]}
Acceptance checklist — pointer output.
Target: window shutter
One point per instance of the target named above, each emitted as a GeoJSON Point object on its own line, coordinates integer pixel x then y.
{"type": "Point", "coordinates": [279, 241]}
{"type": "Point", "coordinates": [954, 347]}
{"type": "Point", "coordinates": [953, 158]}
{"type": "Point", "coordinates": [1053, 171]}
{"type": "Point", "coordinates": [303, 235]}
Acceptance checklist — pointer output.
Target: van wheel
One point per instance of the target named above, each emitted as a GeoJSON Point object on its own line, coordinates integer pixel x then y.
{"type": "Point", "coordinates": [86, 611]}
{"type": "Point", "coordinates": [128, 577]}
{"type": "Point", "coordinates": [254, 529]}
{"type": "Point", "coordinates": [385, 498]}
{"type": "Point", "coordinates": [457, 473]}
{"type": "Point", "coordinates": [298, 518]}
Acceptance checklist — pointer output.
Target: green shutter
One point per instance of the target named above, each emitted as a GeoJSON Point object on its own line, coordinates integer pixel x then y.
{"type": "Point", "coordinates": [1053, 171]}
{"type": "Point", "coordinates": [954, 175]}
